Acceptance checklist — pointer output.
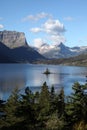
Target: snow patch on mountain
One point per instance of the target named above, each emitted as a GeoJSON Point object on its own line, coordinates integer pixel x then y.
{"type": "Point", "coordinates": [59, 50]}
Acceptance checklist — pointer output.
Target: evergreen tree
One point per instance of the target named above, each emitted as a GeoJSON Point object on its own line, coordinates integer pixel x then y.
{"type": "Point", "coordinates": [52, 93]}
{"type": "Point", "coordinates": [44, 99]}
{"type": "Point", "coordinates": [52, 100]}
{"type": "Point", "coordinates": [2, 104]}
{"type": "Point", "coordinates": [44, 103]}
{"type": "Point", "coordinates": [76, 108]}
{"type": "Point", "coordinates": [61, 103]}
{"type": "Point", "coordinates": [10, 110]}
{"type": "Point", "coordinates": [27, 110]}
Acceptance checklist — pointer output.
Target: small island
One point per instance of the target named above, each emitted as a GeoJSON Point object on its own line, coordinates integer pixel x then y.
{"type": "Point", "coordinates": [47, 72]}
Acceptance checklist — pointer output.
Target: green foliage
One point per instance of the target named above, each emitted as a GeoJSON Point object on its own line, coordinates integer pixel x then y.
{"type": "Point", "coordinates": [61, 103]}
{"type": "Point", "coordinates": [80, 126]}
{"type": "Point", "coordinates": [26, 110]}
{"type": "Point", "coordinates": [2, 104]}
{"type": "Point", "coordinates": [46, 110]}
{"type": "Point", "coordinates": [10, 110]}
{"type": "Point", "coordinates": [44, 98]}
{"type": "Point", "coordinates": [54, 123]}
{"type": "Point", "coordinates": [44, 104]}
{"type": "Point", "coordinates": [52, 100]}
{"type": "Point", "coordinates": [76, 108]}
{"type": "Point", "coordinates": [80, 60]}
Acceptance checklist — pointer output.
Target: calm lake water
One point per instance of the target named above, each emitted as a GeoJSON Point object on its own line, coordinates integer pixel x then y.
{"type": "Point", "coordinates": [23, 75]}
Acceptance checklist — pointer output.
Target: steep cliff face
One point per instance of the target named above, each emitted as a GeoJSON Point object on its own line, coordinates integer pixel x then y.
{"type": "Point", "coordinates": [13, 39]}
{"type": "Point", "coordinates": [14, 48]}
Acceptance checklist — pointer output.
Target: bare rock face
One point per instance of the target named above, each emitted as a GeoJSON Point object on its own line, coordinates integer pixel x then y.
{"type": "Point", "coordinates": [14, 48]}
{"type": "Point", "coordinates": [13, 39]}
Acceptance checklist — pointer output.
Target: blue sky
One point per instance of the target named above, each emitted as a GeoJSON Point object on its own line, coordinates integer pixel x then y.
{"type": "Point", "coordinates": [50, 21]}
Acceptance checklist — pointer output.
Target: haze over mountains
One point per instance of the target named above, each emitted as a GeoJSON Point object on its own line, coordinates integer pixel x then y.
{"type": "Point", "coordinates": [15, 49]}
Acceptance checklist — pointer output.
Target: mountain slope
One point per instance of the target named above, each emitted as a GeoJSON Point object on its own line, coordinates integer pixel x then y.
{"type": "Point", "coordinates": [60, 51]}
{"type": "Point", "coordinates": [80, 60]}
{"type": "Point", "coordinates": [14, 48]}
{"type": "Point", "coordinates": [5, 54]}
{"type": "Point", "coordinates": [26, 54]}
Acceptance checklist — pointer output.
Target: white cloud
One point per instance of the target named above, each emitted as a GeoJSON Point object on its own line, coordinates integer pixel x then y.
{"type": "Point", "coordinates": [57, 39]}
{"type": "Point", "coordinates": [53, 27]}
{"type": "Point", "coordinates": [37, 16]}
{"type": "Point", "coordinates": [43, 15]}
{"type": "Point", "coordinates": [38, 42]}
{"type": "Point", "coordinates": [54, 30]}
{"type": "Point", "coordinates": [35, 30]}
{"type": "Point", "coordinates": [69, 18]}
{"type": "Point", "coordinates": [29, 17]}
{"type": "Point", "coordinates": [1, 26]}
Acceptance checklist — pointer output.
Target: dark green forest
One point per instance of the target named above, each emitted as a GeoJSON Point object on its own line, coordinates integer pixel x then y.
{"type": "Point", "coordinates": [45, 110]}
{"type": "Point", "coordinates": [80, 60]}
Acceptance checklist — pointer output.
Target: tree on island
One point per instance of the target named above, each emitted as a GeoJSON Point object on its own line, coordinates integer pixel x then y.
{"type": "Point", "coordinates": [47, 72]}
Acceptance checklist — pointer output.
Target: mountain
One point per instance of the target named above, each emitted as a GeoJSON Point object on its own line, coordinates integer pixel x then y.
{"type": "Point", "coordinates": [5, 54]}
{"type": "Point", "coordinates": [60, 51]}
{"type": "Point", "coordinates": [13, 39]}
{"type": "Point", "coordinates": [26, 54]}
{"type": "Point", "coordinates": [80, 60]}
{"type": "Point", "coordinates": [14, 48]}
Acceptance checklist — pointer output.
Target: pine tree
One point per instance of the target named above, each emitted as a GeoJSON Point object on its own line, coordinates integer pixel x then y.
{"type": "Point", "coordinates": [10, 110]}
{"type": "Point", "coordinates": [61, 103]}
{"type": "Point", "coordinates": [76, 107]}
{"type": "Point", "coordinates": [44, 104]}
{"type": "Point", "coordinates": [52, 100]}
{"type": "Point", "coordinates": [27, 110]}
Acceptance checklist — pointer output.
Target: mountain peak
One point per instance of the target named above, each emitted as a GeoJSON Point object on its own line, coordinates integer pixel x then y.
{"type": "Point", "coordinates": [14, 48]}
{"type": "Point", "coordinates": [13, 39]}
{"type": "Point", "coordinates": [61, 44]}
{"type": "Point", "coordinates": [60, 51]}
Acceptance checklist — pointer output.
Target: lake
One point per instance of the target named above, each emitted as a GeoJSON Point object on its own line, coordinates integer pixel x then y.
{"type": "Point", "coordinates": [23, 75]}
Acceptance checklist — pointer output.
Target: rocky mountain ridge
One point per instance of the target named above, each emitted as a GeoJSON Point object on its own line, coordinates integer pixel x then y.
{"type": "Point", "coordinates": [60, 51]}
{"type": "Point", "coordinates": [13, 39]}
{"type": "Point", "coordinates": [15, 49]}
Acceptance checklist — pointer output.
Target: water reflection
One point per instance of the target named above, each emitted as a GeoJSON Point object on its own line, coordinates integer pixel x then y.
{"type": "Point", "coordinates": [21, 75]}
{"type": "Point", "coordinates": [7, 85]}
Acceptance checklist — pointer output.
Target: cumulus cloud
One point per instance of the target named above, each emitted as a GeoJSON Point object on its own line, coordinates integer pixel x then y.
{"type": "Point", "coordinates": [53, 27]}
{"type": "Point", "coordinates": [57, 39]}
{"type": "Point", "coordinates": [38, 42]}
{"type": "Point", "coordinates": [1, 26]}
{"type": "Point", "coordinates": [37, 16]}
{"type": "Point", "coordinates": [54, 30]}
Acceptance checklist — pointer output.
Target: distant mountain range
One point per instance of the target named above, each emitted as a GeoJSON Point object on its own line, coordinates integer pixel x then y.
{"type": "Point", "coordinates": [80, 60]}
{"type": "Point", "coordinates": [60, 51]}
{"type": "Point", "coordinates": [14, 48]}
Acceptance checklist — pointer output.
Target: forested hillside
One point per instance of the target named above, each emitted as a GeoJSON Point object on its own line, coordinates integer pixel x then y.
{"type": "Point", "coordinates": [80, 60]}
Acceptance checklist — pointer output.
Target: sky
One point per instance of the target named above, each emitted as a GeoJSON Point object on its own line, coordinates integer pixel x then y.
{"type": "Point", "coordinates": [46, 21]}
